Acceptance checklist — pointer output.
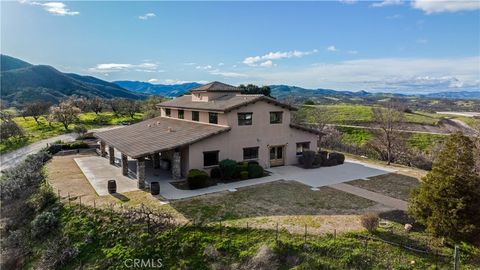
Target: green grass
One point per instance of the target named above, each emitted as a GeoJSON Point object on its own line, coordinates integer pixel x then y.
{"type": "Point", "coordinates": [356, 136]}
{"type": "Point", "coordinates": [348, 114]}
{"type": "Point", "coordinates": [35, 132]}
{"type": "Point", "coordinates": [422, 141]}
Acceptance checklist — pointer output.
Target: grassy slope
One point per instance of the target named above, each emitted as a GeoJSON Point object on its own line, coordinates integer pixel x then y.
{"type": "Point", "coordinates": [36, 132]}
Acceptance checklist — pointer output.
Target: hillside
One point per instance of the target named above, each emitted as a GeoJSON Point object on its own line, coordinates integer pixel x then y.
{"type": "Point", "coordinates": [166, 90]}
{"type": "Point", "coordinates": [22, 82]}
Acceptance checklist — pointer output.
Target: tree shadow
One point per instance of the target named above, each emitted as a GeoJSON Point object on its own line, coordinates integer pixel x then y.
{"type": "Point", "coordinates": [120, 197]}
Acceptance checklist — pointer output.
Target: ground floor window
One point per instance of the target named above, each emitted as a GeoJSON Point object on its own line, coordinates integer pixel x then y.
{"type": "Point", "coordinates": [250, 153]}
{"type": "Point", "coordinates": [210, 158]}
{"type": "Point", "coordinates": [168, 112]}
{"type": "Point", "coordinates": [302, 147]}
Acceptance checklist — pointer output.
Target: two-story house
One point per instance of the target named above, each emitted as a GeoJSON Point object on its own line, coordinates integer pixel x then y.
{"type": "Point", "coordinates": [213, 122]}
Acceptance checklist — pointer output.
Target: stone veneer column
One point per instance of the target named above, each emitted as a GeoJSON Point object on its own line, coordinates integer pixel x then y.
{"type": "Point", "coordinates": [176, 166]}
{"type": "Point", "coordinates": [111, 155]}
{"type": "Point", "coordinates": [124, 164]}
{"type": "Point", "coordinates": [156, 160]}
{"type": "Point", "coordinates": [141, 172]}
{"type": "Point", "coordinates": [103, 153]}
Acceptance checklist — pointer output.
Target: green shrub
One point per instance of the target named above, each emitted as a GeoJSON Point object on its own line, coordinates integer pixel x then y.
{"type": "Point", "coordinates": [243, 166]}
{"type": "Point", "coordinates": [215, 173]}
{"type": "Point", "coordinates": [308, 158]}
{"type": "Point", "coordinates": [317, 161]}
{"type": "Point", "coordinates": [43, 198]}
{"type": "Point", "coordinates": [197, 179]}
{"type": "Point", "coordinates": [370, 221]}
{"type": "Point", "coordinates": [74, 145]}
{"type": "Point", "coordinates": [101, 119]}
{"type": "Point", "coordinates": [251, 162]}
{"type": "Point", "coordinates": [255, 171]}
{"type": "Point", "coordinates": [323, 155]}
{"type": "Point", "coordinates": [228, 168]}
{"type": "Point", "coordinates": [244, 175]}
{"type": "Point", "coordinates": [339, 158]}
{"type": "Point", "coordinates": [44, 223]}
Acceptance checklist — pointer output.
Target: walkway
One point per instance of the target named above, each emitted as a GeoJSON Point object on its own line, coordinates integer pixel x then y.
{"type": "Point", "coordinates": [373, 196]}
{"type": "Point", "coordinates": [98, 171]}
{"type": "Point", "coordinates": [15, 157]}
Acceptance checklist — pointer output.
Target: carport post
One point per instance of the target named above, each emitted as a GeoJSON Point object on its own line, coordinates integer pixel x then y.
{"type": "Point", "coordinates": [156, 160]}
{"type": "Point", "coordinates": [102, 148]}
{"type": "Point", "coordinates": [124, 164]}
{"type": "Point", "coordinates": [111, 155]}
{"type": "Point", "coordinates": [141, 172]}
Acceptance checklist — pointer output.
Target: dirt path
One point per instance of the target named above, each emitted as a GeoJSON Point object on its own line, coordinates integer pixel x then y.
{"type": "Point", "coordinates": [373, 196]}
{"type": "Point", "coordinates": [13, 158]}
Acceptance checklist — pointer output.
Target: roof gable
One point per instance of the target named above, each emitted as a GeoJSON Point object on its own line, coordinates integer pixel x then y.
{"type": "Point", "coordinates": [216, 87]}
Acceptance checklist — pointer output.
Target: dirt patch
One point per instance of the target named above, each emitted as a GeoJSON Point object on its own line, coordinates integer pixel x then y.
{"type": "Point", "coordinates": [393, 185]}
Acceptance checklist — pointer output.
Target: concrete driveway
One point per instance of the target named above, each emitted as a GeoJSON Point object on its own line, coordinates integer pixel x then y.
{"type": "Point", "coordinates": [98, 171]}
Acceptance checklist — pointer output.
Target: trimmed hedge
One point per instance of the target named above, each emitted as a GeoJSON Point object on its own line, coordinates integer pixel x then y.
{"type": "Point", "coordinates": [228, 168]}
{"type": "Point", "coordinates": [308, 158]}
{"type": "Point", "coordinates": [244, 175]}
{"type": "Point", "coordinates": [215, 173]}
{"type": "Point", "coordinates": [255, 171]}
{"type": "Point", "coordinates": [339, 158]}
{"type": "Point", "coordinates": [197, 179]}
{"type": "Point", "coordinates": [74, 145]}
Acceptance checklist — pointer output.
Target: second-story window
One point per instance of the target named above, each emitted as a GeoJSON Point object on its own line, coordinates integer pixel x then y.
{"type": "Point", "coordinates": [168, 112]}
{"type": "Point", "coordinates": [213, 118]}
{"type": "Point", "coordinates": [245, 119]}
{"type": "Point", "coordinates": [276, 117]}
{"type": "Point", "coordinates": [181, 114]}
{"type": "Point", "coordinates": [195, 116]}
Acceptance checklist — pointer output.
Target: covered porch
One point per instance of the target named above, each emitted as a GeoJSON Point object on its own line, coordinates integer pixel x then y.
{"type": "Point", "coordinates": [158, 143]}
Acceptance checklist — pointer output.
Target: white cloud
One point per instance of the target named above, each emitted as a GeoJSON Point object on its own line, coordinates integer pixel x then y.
{"type": "Point", "coordinates": [387, 3]}
{"type": "Point", "coordinates": [221, 64]}
{"type": "Point", "coordinates": [352, 52]}
{"type": "Point", "coordinates": [429, 6]}
{"type": "Point", "coordinates": [204, 67]}
{"type": "Point", "coordinates": [385, 74]}
{"type": "Point", "coordinates": [394, 17]}
{"type": "Point", "coordinates": [422, 41]}
{"type": "Point", "coordinates": [114, 67]}
{"type": "Point", "coordinates": [348, 2]}
{"type": "Point", "coordinates": [266, 60]}
{"type": "Point", "coordinates": [190, 64]}
{"type": "Point", "coordinates": [227, 73]}
{"type": "Point", "coordinates": [170, 81]}
{"type": "Point", "coordinates": [332, 48]}
{"type": "Point", "coordinates": [153, 80]}
{"type": "Point", "coordinates": [55, 8]}
{"type": "Point", "coordinates": [147, 16]}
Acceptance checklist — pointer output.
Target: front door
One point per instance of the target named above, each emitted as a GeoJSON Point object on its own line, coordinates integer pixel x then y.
{"type": "Point", "coordinates": [277, 155]}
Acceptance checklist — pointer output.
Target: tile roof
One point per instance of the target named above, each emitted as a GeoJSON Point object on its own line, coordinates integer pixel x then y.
{"type": "Point", "coordinates": [222, 104]}
{"type": "Point", "coordinates": [216, 87]}
{"type": "Point", "coordinates": [157, 134]}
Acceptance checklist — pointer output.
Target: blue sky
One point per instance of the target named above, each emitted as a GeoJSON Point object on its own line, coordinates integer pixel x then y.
{"type": "Point", "coordinates": [393, 46]}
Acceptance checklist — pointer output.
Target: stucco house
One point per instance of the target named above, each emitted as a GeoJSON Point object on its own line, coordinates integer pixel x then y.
{"type": "Point", "coordinates": [211, 123]}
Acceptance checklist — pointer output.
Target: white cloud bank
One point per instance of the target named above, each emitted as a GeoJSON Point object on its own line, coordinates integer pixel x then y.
{"type": "Point", "coordinates": [267, 59]}
{"type": "Point", "coordinates": [147, 16]}
{"type": "Point", "coordinates": [387, 74]}
{"type": "Point", "coordinates": [55, 8]}
{"type": "Point", "coordinates": [386, 3]}
{"type": "Point", "coordinates": [437, 6]}
{"type": "Point", "coordinates": [115, 67]}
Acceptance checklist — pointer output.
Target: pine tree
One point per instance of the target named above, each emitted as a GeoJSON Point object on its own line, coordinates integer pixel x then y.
{"type": "Point", "coordinates": [447, 201]}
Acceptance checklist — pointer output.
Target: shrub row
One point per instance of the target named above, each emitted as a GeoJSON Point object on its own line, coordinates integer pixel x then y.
{"type": "Point", "coordinates": [310, 159]}
{"type": "Point", "coordinates": [228, 170]}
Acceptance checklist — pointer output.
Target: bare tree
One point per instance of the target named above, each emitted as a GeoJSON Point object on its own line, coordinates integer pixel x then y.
{"type": "Point", "coordinates": [66, 113]}
{"type": "Point", "coordinates": [36, 110]}
{"type": "Point", "coordinates": [96, 104]}
{"type": "Point", "coordinates": [116, 105]}
{"type": "Point", "coordinates": [79, 102]}
{"type": "Point", "coordinates": [8, 127]}
{"type": "Point", "coordinates": [130, 107]}
{"type": "Point", "coordinates": [389, 120]}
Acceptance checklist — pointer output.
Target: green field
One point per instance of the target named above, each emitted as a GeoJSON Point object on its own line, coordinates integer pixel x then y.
{"type": "Point", "coordinates": [35, 132]}
{"type": "Point", "coordinates": [349, 114]}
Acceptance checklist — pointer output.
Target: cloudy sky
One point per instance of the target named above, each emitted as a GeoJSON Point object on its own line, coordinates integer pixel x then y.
{"type": "Point", "coordinates": [396, 46]}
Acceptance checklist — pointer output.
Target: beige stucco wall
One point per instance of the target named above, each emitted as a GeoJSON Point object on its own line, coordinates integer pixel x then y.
{"type": "Point", "coordinates": [261, 133]}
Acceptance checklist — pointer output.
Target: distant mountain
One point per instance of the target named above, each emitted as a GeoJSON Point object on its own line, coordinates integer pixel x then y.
{"type": "Point", "coordinates": [22, 82]}
{"type": "Point", "coordinates": [166, 90]}
{"type": "Point", "coordinates": [456, 95]}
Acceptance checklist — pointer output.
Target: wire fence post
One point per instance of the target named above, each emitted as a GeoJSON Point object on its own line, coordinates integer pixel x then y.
{"type": "Point", "coordinates": [456, 254]}
{"type": "Point", "coordinates": [68, 198]}
{"type": "Point", "coordinates": [334, 234]}
{"type": "Point", "coordinates": [58, 194]}
{"type": "Point", "coordinates": [276, 235]}
{"type": "Point", "coordinates": [305, 236]}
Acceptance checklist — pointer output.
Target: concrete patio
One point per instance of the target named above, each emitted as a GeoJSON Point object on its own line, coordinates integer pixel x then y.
{"type": "Point", "coordinates": [98, 171]}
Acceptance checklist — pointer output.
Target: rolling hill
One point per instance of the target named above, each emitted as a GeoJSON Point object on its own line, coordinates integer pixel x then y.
{"type": "Point", "coordinates": [166, 90]}
{"type": "Point", "coordinates": [22, 82]}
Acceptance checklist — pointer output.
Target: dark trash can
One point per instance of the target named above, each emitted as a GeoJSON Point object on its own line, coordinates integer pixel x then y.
{"type": "Point", "coordinates": [112, 186]}
{"type": "Point", "coordinates": [154, 188]}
